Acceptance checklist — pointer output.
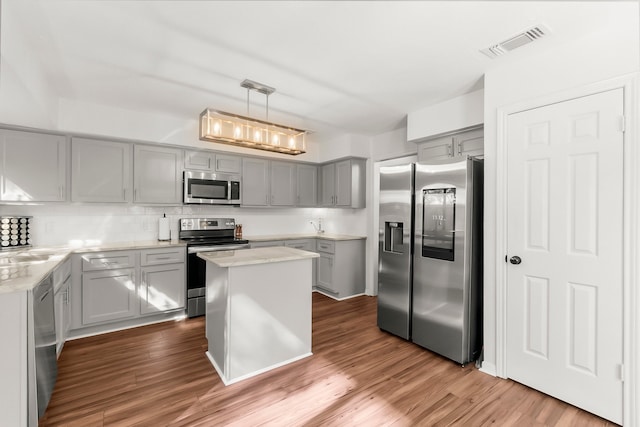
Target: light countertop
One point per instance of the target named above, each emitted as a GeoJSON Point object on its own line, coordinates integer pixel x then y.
{"type": "Point", "coordinates": [256, 256]}
{"type": "Point", "coordinates": [326, 236]}
{"type": "Point", "coordinates": [22, 269]}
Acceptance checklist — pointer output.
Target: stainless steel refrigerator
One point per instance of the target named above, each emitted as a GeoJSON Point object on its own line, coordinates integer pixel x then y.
{"type": "Point", "coordinates": [430, 256]}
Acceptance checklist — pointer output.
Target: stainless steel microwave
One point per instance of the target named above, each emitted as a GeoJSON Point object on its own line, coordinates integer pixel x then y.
{"type": "Point", "coordinates": [211, 188]}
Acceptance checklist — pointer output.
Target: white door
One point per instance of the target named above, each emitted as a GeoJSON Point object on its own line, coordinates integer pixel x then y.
{"type": "Point", "coordinates": [564, 300]}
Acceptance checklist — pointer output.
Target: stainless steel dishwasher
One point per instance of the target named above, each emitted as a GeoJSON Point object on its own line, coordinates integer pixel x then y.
{"type": "Point", "coordinates": [44, 328]}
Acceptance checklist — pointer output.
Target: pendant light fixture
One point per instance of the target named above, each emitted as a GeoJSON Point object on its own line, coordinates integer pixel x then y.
{"type": "Point", "coordinates": [232, 129]}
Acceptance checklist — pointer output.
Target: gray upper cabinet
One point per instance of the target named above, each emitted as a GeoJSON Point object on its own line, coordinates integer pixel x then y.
{"type": "Point", "coordinates": [100, 171]}
{"type": "Point", "coordinates": [32, 166]}
{"type": "Point", "coordinates": [199, 160]}
{"type": "Point", "coordinates": [343, 183]}
{"type": "Point", "coordinates": [228, 164]}
{"type": "Point", "coordinates": [307, 185]}
{"type": "Point", "coordinates": [157, 175]}
{"type": "Point", "coordinates": [255, 182]}
{"type": "Point", "coordinates": [212, 162]}
{"type": "Point", "coordinates": [328, 184]}
{"type": "Point", "coordinates": [283, 184]}
{"type": "Point", "coordinates": [468, 143]}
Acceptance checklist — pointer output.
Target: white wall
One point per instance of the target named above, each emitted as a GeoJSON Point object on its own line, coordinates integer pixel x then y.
{"type": "Point", "coordinates": [391, 145]}
{"type": "Point", "coordinates": [26, 98]}
{"type": "Point", "coordinates": [60, 225]}
{"type": "Point", "coordinates": [528, 75]}
{"type": "Point", "coordinates": [457, 113]}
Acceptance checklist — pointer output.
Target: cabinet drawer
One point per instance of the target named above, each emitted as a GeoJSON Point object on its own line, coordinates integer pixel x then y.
{"type": "Point", "coordinates": [325, 246]}
{"type": "Point", "coordinates": [305, 245]}
{"type": "Point", "coordinates": [108, 260]}
{"type": "Point", "coordinates": [161, 256]}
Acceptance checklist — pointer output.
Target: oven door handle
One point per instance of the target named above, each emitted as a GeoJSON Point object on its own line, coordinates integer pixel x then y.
{"type": "Point", "coordinates": [196, 249]}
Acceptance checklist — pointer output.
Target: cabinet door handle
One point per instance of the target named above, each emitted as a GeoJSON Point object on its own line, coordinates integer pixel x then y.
{"type": "Point", "coordinates": [124, 194]}
{"type": "Point", "coordinates": [459, 148]}
{"type": "Point", "coordinates": [209, 163]}
{"type": "Point", "coordinates": [135, 194]}
{"type": "Point", "coordinates": [450, 150]}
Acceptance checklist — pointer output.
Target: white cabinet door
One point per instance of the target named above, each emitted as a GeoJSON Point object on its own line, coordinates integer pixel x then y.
{"type": "Point", "coordinates": [328, 173]}
{"type": "Point", "coordinates": [255, 182]}
{"type": "Point", "coordinates": [100, 171]}
{"type": "Point", "coordinates": [162, 288]}
{"type": "Point", "coordinates": [307, 188]}
{"type": "Point", "coordinates": [157, 175]}
{"type": "Point", "coordinates": [283, 184]}
{"type": "Point", "coordinates": [108, 295]}
{"type": "Point", "coordinates": [32, 166]}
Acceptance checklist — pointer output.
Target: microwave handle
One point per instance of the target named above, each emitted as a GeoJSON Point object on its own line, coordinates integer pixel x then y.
{"type": "Point", "coordinates": [228, 190]}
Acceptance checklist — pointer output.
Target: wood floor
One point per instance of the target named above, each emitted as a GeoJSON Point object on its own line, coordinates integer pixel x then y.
{"type": "Point", "coordinates": [358, 376]}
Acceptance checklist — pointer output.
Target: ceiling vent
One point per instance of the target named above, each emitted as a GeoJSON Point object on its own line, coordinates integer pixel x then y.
{"type": "Point", "coordinates": [526, 37]}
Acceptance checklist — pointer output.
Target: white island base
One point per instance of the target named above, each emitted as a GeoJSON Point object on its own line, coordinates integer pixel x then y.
{"type": "Point", "coordinates": [258, 313]}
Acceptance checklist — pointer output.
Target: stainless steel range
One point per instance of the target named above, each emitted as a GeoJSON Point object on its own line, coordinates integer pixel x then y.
{"type": "Point", "coordinates": [204, 235]}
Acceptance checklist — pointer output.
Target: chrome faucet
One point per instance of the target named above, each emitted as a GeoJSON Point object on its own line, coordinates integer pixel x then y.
{"type": "Point", "coordinates": [319, 227]}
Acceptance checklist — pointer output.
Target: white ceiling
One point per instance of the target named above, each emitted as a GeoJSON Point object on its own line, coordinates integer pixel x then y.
{"type": "Point", "coordinates": [338, 66]}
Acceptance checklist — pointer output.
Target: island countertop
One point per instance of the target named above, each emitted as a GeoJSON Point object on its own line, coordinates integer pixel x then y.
{"type": "Point", "coordinates": [256, 256]}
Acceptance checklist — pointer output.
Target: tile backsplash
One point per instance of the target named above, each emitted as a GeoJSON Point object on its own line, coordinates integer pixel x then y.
{"type": "Point", "coordinates": [55, 225]}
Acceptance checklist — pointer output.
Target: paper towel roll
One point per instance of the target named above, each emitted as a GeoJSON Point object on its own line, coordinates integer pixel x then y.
{"type": "Point", "coordinates": [163, 229]}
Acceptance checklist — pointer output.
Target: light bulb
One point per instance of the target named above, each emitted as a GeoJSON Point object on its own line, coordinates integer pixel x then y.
{"type": "Point", "coordinates": [237, 132]}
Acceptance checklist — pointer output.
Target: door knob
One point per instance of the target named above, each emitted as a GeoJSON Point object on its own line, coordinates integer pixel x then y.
{"type": "Point", "coordinates": [515, 259]}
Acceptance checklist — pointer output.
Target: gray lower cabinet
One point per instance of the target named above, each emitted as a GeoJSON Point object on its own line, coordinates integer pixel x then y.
{"type": "Point", "coordinates": [108, 295]}
{"type": "Point", "coordinates": [32, 166]}
{"type": "Point", "coordinates": [341, 267]}
{"type": "Point", "coordinates": [306, 245]}
{"type": "Point", "coordinates": [100, 171]}
{"type": "Point", "coordinates": [162, 288]}
{"type": "Point", "coordinates": [157, 175]}
{"type": "Point", "coordinates": [125, 286]}
{"type": "Point", "coordinates": [162, 280]}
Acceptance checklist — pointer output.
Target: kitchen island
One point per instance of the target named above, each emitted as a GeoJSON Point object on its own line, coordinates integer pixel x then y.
{"type": "Point", "coordinates": [258, 314]}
